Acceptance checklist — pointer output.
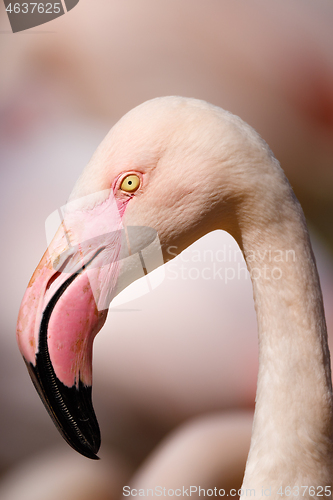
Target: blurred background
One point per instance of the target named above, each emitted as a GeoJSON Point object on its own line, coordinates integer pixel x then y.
{"type": "Point", "coordinates": [174, 370]}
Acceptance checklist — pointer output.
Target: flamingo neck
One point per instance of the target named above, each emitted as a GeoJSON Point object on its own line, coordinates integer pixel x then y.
{"type": "Point", "coordinates": [291, 441]}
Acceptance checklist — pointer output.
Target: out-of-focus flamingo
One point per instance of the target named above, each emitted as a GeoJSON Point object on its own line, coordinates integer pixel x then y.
{"type": "Point", "coordinates": [184, 168]}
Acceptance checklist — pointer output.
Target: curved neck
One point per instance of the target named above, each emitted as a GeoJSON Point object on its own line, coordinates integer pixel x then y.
{"type": "Point", "coordinates": [292, 432]}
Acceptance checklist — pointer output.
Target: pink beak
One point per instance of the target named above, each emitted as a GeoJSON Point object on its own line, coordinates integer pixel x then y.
{"type": "Point", "coordinates": [90, 259]}
{"type": "Point", "coordinates": [64, 307]}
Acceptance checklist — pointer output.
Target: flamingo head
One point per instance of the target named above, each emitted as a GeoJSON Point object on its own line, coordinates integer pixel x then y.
{"type": "Point", "coordinates": [172, 167]}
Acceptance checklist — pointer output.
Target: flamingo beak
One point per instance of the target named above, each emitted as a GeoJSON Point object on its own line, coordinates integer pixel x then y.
{"type": "Point", "coordinates": [64, 307]}
{"type": "Point", "coordinates": [89, 261]}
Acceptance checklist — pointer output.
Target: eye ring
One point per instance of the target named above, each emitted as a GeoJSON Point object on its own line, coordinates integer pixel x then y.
{"type": "Point", "coordinates": [130, 183]}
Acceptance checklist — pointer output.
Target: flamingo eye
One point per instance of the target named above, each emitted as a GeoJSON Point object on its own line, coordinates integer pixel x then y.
{"type": "Point", "coordinates": [130, 183]}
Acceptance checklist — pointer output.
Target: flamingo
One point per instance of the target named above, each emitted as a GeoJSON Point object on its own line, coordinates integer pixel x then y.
{"type": "Point", "coordinates": [183, 167]}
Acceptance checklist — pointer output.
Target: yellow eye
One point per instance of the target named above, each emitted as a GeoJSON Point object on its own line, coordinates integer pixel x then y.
{"type": "Point", "coordinates": [130, 183]}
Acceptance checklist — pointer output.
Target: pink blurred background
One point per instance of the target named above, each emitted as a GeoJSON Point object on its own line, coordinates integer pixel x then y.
{"type": "Point", "coordinates": [174, 370]}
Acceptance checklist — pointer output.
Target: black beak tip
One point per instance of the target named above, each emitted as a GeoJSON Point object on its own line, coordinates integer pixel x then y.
{"type": "Point", "coordinates": [70, 408]}
{"type": "Point", "coordinates": [84, 448]}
